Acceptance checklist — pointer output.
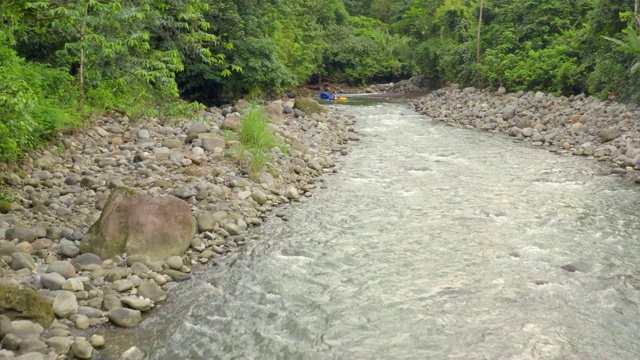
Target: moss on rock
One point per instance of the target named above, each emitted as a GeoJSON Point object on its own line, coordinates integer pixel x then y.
{"type": "Point", "coordinates": [25, 304]}
{"type": "Point", "coordinates": [309, 106]}
{"type": "Point", "coordinates": [5, 207]}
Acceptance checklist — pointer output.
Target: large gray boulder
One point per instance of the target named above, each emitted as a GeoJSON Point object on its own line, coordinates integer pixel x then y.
{"type": "Point", "coordinates": [139, 224]}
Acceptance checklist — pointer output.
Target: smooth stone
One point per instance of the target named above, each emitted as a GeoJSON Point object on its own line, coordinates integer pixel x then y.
{"type": "Point", "coordinates": [175, 262]}
{"type": "Point", "coordinates": [133, 353]}
{"type": "Point", "coordinates": [60, 344]}
{"type": "Point", "coordinates": [32, 346]}
{"type": "Point", "coordinates": [63, 268]}
{"type": "Point", "coordinates": [176, 275]}
{"type": "Point", "coordinates": [151, 290]}
{"type": "Point", "coordinates": [25, 329]}
{"type": "Point", "coordinates": [81, 349]}
{"type": "Point", "coordinates": [97, 341]}
{"type": "Point", "coordinates": [65, 304]}
{"type": "Point", "coordinates": [73, 284]}
{"type": "Point", "coordinates": [136, 303]}
{"type": "Point", "coordinates": [124, 317]}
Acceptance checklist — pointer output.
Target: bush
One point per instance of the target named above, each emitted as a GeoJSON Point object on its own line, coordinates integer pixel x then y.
{"type": "Point", "coordinates": [257, 138]}
{"type": "Point", "coordinates": [36, 102]}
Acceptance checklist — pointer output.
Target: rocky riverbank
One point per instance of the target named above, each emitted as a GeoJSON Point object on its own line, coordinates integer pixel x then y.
{"type": "Point", "coordinates": [576, 125]}
{"type": "Point", "coordinates": [70, 203]}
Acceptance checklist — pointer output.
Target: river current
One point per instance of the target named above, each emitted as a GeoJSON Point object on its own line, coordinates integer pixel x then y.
{"type": "Point", "coordinates": [431, 242]}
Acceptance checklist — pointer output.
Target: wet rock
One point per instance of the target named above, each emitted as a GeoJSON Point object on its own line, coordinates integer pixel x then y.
{"type": "Point", "coordinates": [136, 303]}
{"type": "Point", "coordinates": [124, 317]}
{"type": "Point", "coordinates": [81, 349]}
{"type": "Point", "coordinates": [133, 353]}
{"type": "Point", "coordinates": [176, 275]}
{"type": "Point", "coordinates": [151, 290]}
{"type": "Point", "coordinates": [97, 341]}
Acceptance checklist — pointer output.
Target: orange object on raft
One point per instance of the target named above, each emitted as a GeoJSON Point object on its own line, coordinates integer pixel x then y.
{"type": "Point", "coordinates": [327, 96]}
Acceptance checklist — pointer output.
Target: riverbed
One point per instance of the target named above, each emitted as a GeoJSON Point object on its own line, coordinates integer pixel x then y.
{"type": "Point", "coordinates": [431, 242]}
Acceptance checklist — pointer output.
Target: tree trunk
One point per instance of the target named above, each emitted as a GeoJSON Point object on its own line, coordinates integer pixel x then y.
{"type": "Point", "coordinates": [478, 45]}
{"type": "Point", "coordinates": [81, 71]}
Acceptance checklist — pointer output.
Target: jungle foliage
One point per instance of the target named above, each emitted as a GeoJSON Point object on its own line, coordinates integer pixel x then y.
{"type": "Point", "coordinates": [63, 60]}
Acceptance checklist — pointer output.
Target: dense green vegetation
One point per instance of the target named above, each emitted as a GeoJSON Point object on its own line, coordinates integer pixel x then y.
{"type": "Point", "coordinates": [63, 60]}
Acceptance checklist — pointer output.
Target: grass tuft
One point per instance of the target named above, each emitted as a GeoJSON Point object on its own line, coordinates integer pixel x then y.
{"type": "Point", "coordinates": [256, 138]}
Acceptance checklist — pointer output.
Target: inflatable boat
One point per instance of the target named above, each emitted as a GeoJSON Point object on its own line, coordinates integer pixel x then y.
{"type": "Point", "coordinates": [326, 96]}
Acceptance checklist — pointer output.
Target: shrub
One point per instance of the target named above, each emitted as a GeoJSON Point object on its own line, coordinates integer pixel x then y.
{"type": "Point", "coordinates": [257, 138]}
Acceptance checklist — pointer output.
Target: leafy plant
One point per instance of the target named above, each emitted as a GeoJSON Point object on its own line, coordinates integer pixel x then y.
{"type": "Point", "coordinates": [256, 138]}
{"type": "Point", "coordinates": [632, 45]}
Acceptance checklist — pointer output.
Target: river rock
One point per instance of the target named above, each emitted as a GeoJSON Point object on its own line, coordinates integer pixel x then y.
{"type": "Point", "coordinates": [609, 134]}
{"type": "Point", "coordinates": [81, 349]}
{"type": "Point", "coordinates": [73, 284]}
{"type": "Point", "coordinates": [25, 329]}
{"type": "Point", "coordinates": [259, 197]}
{"type": "Point", "coordinates": [97, 341]}
{"type": "Point", "coordinates": [124, 317]}
{"type": "Point", "coordinates": [508, 113]}
{"type": "Point", "coordinates": [68, 249]}
{"type": "Point", "coordinates": [5, 325]}
{"type": "Point", "coordinates": [133, 353]}
{"type": "Point", "coordinates": [25, 304]}
{"type": "Point", "coordinates": [292, 193]}
{"type": "Point", "coordinates": [206, 221]}
{"type": "Point", "coordinates": [141, 224]}
{"type": "Point", "coordinates": [175, 262]}
{"type": "Point", "coordinates": [11, 342]}
{"type": "Point", "coordinates": [32, 346]}
{"type": "Point", "coordinates": [151, 290]}
{"type": "Point", "coordinates": [21, 233]}
{"type": "Point", "coordinates": [136, 303]}
{"type": "Point", "coordinates": [86, 259]}
{"type": "Point", "coordinates": [52, 281]}
{"type": "Point", "coordinates": [231, 122]}
{"type": "Point", "coordinates": [65, 304]}
{"type": "Point", "coordinates": [60, 344]}
{"type": "Point", "coordinates": [210, 143]}
{"type": "Point", "coordinates": [7, 355]}
{"type": "Point", "coordinates": [176, 275]}
{"type": "Point", "coordinates": [22, 260]}
{"type": "Point", "coordinates": [63, 268]}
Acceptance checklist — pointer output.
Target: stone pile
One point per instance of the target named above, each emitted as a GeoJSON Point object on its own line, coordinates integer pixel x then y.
{"type": "Point", "coordinates": [576, 125]}
{"type": "Point", "coordinates": [58, 252]}
{"type": "Point", "coordinates": [414, 84]}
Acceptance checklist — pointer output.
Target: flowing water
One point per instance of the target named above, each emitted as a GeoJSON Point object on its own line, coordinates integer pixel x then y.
{"type": "Point", "coordinates": [432, 242]}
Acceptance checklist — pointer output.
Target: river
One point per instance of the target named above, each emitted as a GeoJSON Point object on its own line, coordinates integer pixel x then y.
{"type": "Point", "coordinates": [431, 242]}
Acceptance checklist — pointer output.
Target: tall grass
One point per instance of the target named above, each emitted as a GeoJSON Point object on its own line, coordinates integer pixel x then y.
{"type": "Point", "coordinates": [257, 138]}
